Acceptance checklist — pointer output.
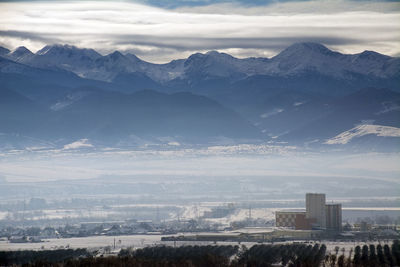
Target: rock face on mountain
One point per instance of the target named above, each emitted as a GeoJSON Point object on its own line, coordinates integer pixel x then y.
{"type": "Point", "coordinates": [307, 94]}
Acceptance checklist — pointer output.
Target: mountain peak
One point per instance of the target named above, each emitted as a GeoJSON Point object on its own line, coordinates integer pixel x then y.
{"type": "Point", "coordinates": [115, 55]}
{"type": "Point", "coordinates": [52, 48]}
{"type": "Point", "coordinates": [367, 54]}
{"type": "Point", "coordinates": [20, 54]}
{"type": "Point", "coordinates": [308, 48]}
{"type": "Point", "coordinates": [133, 57]}
{"type": "Point", "coordinates": [20, 51]}
{"type": "Point", "coordinates": [213, 53]}
{"type": "Point", "coordinates": [216, 54]}
{"type": "Point", "coordinates": [69, 50]}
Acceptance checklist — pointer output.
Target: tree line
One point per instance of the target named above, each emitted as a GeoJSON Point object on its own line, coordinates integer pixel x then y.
{"type": "Point", "coordinates": [32, 257]}
{"type": "Point", "coordinates": [296, 254]}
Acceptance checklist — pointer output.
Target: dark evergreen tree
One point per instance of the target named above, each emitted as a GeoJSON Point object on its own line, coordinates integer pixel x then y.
{"type": "Point", "coordinates": [396, 251]}
{"type": "Point", "coordinates": [388, 255]}
{"type": "Point", "coordinates": [357, 256]}
{"type": "Point", "coordinates": [373, 259]}
{"type": "Point", "coordinates": [364, 256]}
{"type": "Point", "coordinates": [381, 257]}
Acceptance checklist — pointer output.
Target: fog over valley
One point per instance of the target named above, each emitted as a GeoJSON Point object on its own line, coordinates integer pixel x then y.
{"type": "Point", "coordinates": [223, 173]}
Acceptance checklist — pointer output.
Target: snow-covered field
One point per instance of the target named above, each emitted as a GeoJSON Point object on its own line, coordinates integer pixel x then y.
{"type": "Point", "coordinates": [140, 241]}
{"type": "Point", "coordinates": [86, 242]}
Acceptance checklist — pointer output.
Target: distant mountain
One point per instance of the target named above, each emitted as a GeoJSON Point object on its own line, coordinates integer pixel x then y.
{"type": "Point", "coordinates": [113, 118]}
{"type": "Point", "coordinates": [307, 94]}
{"type": "Point", "coordinates": [307, 66]}
{"type": "Point", "coordinates": [309, 118]}
{"type": "Point", "coordinates": [213, 64]}
{"type": "Point", "coordinates": [41, 84]}
{"type": "Point", "coordinates": [19, 115]}
{"type": "Point", "coordinates": [368, 106]}
{"type": "Point", "coordinates": [21, 54]}
{"type": "Point", "coordinates": [67, 53]}
{"type": "Point", "coordinates": [312, 57]}
{"type": "Point", "coordinates": [277, 112]}
{"type": "Point", "coordinates": [180, 116]}
{"type": "Point", "coordinates": [65, 57]}
{"type": "Point", "coordinates": [110, 65]}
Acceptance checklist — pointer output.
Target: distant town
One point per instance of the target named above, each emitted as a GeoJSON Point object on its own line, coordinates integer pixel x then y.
{"type": "Point", "coordinates": [319, 221]}
{"type": "Point", "coordinates": [317, 232]}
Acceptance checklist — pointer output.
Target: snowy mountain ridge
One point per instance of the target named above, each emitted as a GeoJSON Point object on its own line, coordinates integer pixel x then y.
{"type": "Point", "coordinates": [296, 59]}
{"type": "Point", "coordinates": [307, 92]}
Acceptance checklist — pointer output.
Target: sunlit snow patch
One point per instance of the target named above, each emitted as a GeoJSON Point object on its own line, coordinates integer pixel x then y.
{"type": "Point", "coordinates": [361, 130]}
{"type": "Point", "coordinates": [271, 113]}
{"type": "Point", "coordinates": [298, 104]}
{"type": "Point", "coordinates": [78, 144]}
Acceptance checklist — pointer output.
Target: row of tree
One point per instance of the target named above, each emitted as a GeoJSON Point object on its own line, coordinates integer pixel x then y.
{"type": "Point", "coordinates": [371, 256]}
{"type": "Point", "coordinates": [300, 255]}
{"type": "Point", "coordinates": [286, 255]}
{"type": "Point", "coordinates": [32, 257]}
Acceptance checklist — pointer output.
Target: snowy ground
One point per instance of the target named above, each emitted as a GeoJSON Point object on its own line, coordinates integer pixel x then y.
{"type": "Point", "coordinates": [139, 241]}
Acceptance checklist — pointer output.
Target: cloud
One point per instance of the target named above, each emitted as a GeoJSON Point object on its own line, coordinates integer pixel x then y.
{"type": "Point", "coordinates": [40, 37]}
{"type": "Point", "coordinates": [160, 35]}
{"type": "Point", "coordinates": [290, 7]}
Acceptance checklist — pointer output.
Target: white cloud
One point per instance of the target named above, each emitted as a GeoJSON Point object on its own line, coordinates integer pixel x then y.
{"type": "Point", "coordinates": [295, 7]}
{"type": "Point", "coordinates": [160, 35]}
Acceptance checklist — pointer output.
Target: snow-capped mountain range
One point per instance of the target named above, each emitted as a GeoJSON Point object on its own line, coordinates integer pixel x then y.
{"type": "Point", "coordinates": [307, 94]}
{"type": "Point", "coordinates": [294, 60]}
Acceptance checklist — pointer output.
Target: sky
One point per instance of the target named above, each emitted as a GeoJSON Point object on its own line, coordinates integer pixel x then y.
{"type": "Point", "coordinates": [160, 31]}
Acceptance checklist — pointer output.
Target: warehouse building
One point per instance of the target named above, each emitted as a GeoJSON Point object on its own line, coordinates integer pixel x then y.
{"type": "Point", "coordinates": [294, 219]}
